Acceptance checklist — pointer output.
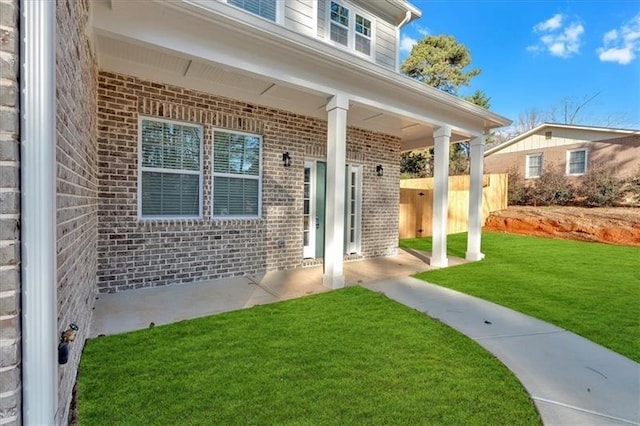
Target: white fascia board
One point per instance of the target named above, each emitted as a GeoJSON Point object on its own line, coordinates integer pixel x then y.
{"type": "Point", "coordinates": [329, 69]}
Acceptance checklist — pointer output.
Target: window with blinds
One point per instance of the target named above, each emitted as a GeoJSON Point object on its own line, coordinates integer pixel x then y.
{"type": "Point", "coordinates": [263, 8]}
{"type": "Point", "coordinates": [237, 182]}
{"type": "Point", "coordinates": [534, 166]}
{"type": "Point", "coordinates": [577, 162]}
{"type": "Point", "coordinates": [350, 28]}
{"type": "Point", "coordinates": [170, 169]}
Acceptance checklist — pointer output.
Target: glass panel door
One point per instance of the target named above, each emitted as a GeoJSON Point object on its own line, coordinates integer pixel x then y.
{"type": "Point", "coordinates": [308, 212]}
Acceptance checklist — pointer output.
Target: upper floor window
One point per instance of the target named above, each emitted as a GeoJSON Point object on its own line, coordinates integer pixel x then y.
{"type": "Point", "coordinates": [577, 162]}
{"type": "Point", "coordinates": [533, 166]}
{"type": "Point", "coordinates": [237, 171]}
{"type": "Point", "coordinates": [264, 8]}
{"type": "Point", "coordinates": [170, 169]}
{"type": "Point", "coordinates": [350, 28]}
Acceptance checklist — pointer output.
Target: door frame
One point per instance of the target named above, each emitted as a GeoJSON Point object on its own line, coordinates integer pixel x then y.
{"type": "Point", "coordinates": [355, 247]}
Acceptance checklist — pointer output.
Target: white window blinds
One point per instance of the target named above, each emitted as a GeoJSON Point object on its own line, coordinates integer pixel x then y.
{"type": "Point", "coordinates": [170, 169]}
{"type": "Point", "coordinates": [263, 8]}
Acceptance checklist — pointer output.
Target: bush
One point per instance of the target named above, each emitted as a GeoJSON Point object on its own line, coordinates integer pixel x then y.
{"type": "Point", "coordinates": [601, 187]}
{"type": "Point", "coordinates": [552, 188]}
{"type": "Point", "coordinates": [516, 191]}
{"type": "Point", "coordinates": [632, 187]}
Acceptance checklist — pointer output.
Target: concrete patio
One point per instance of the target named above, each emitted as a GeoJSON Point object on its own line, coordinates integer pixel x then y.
{"type": "Point", "coordinates": [137, 309]}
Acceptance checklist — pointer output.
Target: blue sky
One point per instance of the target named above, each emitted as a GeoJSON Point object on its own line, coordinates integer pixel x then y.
{"type": "Point", "coordinates": [536, 54]}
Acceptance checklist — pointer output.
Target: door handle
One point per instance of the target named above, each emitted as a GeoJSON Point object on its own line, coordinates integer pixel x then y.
{"type": "Point", "coordinates": [317, 222]}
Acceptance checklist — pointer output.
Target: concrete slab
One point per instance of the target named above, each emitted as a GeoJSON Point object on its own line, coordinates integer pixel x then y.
{"type": "Point", "coordinates": [571, 379]}
{"type": "Point", "coordinates": [136, 309]}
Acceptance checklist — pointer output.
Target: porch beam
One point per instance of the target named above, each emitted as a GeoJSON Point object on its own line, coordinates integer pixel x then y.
{"type": "Point", "coordinates": [475, 199]}
{"type": "Point", "coordinates": [335, 200]}
{"type": "Point", "coordinates": [441, 141]}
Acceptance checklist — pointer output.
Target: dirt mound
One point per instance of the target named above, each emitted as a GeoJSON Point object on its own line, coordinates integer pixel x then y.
{"type": "Point", "coordinates": [607, 225]}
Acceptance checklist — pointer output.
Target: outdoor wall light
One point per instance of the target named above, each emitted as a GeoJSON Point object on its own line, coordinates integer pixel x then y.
{"type": "Point", "coordinates": [286, 159]}
{"type": "Point", "coordinates": [379, 170]}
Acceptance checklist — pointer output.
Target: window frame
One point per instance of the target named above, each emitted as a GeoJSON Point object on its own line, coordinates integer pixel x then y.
{"type": "Point", "coordinates": [568, 161]}
{"type": "Point", "coordinates": [280, 5]}
{"type": "Point", "coordinates": [215, 174]}
{"type": "Point", "coordinates": [142, 169]}
{"type": "Point", "coordinates": [352, 33]}
{"type": "Point", "coordinates": [528, 163]}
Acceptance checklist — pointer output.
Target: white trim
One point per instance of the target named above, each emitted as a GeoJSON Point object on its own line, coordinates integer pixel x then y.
{"type": "Point", "coordinates": [309, 251]}
{"type": "Point", "coordinates": [351, 29]}
{"type": "Point", "coordinates": [568, 158]}
{"type": "Point", "coordinates": [142, 168]}
{"type": "Point", "coordinates": [527, 163]}
{"type": "Point", "coordinates": [236, 176]}
{"type": "Point", "coordinates": [354, 247]}
{"type": "Point", "coordinates": [38, 209]}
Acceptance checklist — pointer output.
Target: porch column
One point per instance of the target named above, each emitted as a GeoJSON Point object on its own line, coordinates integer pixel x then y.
{"type": "Point", "coordinates": [441, 139]}
{"type": "Point", "coordinates": [335, 203]}
{"type": "Point", "coordinates": [475, 199]}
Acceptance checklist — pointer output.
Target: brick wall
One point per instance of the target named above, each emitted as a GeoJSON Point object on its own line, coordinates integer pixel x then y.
{"type": "Point", "coordinates": [77, 202]}
{"type": "Point", "coordinates": [10, 333]}
{"type": "Point", "coordinates": [134, 254]}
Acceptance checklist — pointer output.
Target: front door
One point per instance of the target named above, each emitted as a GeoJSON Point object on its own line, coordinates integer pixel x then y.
{"type": "Point", "coordinates": [315, 173]}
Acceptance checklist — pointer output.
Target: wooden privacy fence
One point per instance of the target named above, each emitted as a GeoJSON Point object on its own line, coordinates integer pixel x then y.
{"type": "Point", "coordinates": [416, 203]}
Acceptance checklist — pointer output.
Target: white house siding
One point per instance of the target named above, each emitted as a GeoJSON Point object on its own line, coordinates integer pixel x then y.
{"type": "Point", "coordinates": [559, 137]}
{"type": "Point", "coordinates": [134, 253]}
{"type": "Point", "coordinates": [385, 32]}
{"type": "Point", "coordinates": [385, 44]}
{"type": "Point", "coordinates": [299, 15]}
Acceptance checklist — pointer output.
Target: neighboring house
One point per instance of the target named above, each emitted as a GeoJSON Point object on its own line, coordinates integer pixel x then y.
{"type": "Point", "coordinates": [148, 143]}
{"type": "Point", "coordinates": [574, 149]}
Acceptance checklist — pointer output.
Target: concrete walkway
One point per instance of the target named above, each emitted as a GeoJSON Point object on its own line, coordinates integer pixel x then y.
{"type": "Point", "coordinates": [572, 380]}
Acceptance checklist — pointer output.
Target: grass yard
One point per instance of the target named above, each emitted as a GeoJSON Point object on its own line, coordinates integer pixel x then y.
{"type": "Point", "coordinates": [350, 356]}
{"type": "Point", "coordinates": [589, 288]}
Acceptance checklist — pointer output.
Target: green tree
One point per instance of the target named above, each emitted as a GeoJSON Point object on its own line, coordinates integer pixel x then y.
{"type": "Point", "coordinates": [479, 98]}
{"type": "Point", "coordinates": [413, 164]}
{"type": "Point", "coordinates": [439, 61]}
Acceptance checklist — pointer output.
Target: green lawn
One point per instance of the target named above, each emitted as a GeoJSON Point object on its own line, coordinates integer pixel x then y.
{"type": "Point", "coordinates": [350, 356]}
{"type": "Point", "coordinates": [591, 289]}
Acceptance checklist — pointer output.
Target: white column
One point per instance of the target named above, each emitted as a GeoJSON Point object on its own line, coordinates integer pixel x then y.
{"type": "Point", "coordinates": [38, 208]}
{"type": "Point", "coordinates": [441, 139]}
{"type": "Point", "coordinates": [335, 203]}
{"type": "Point", "coordinates": [475, 199]}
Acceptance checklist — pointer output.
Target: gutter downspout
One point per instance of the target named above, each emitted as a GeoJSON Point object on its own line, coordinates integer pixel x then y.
{"type": "Point", "coordinates": [38, 209]}
{"type": "Point", "coordinates": [407, 18]}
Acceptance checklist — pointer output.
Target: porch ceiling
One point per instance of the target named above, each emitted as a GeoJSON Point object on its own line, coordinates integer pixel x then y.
{"type": "Point", "coordinates": [166, 42]}
{"type": "Point", "coordinates": [158, 64]}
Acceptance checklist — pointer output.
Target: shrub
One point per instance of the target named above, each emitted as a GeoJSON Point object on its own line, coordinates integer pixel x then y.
{"type": "Point", "coordinates": [516, 193]}
{"type": "Point", "coordinates": [601, 187]}
{"type": "Point", "coordinates": [632, 187]}
{"type": "Point", "coordinates": [552, 188]}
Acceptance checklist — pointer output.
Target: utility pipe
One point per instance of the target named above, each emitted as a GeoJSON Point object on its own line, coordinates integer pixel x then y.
{"type": "Point", "coordinates": [38, 210]}
{"type": "Point", "coordinates": [407, 18]}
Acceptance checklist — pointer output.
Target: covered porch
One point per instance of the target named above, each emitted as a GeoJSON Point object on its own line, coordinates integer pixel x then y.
{"type": "Point", "coordinates": [214, 48]}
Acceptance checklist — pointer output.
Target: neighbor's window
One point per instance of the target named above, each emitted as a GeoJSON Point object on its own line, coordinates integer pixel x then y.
{"type": "Point", "coordinates": [577, 162]}
{"type": "Point", "coordinates": [350, 28]}
{"type": "Point", "coordinates": [534, 166]}
{"type": "Point", "coordinates": [263, 8]}
{"type": "Point", "coordinates": [170, 171]}
{"type": "Point", "coordinates": [237, 182]}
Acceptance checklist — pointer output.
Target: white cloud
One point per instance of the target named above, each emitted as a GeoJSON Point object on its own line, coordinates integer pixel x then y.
{"type": "Point", "coordinates": [407, 43]}
{"type": "Point", "coordinates": [620, 45]}
{"type": "Point", "coordinates": [550, 24]}
{"type": "Point", "coordinates": [558, 40]}
{"type": "Point", "coordinates": [423, 31]}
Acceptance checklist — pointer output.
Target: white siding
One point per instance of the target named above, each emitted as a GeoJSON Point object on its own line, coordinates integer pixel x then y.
{"type": "Point", "coordinates": [385, 44]}
{"type": "Point", "coordinates": [299, 15]}
{"type": "Point", "coordinates": [385, 35]}
{"type": "Point", "coordinates": [559, 137]}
